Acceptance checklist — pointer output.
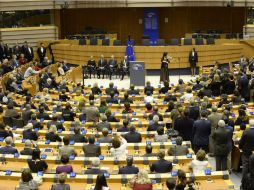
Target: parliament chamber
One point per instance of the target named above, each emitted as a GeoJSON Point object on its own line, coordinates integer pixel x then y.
{"type": "Point", "coordinates": [73, 114]}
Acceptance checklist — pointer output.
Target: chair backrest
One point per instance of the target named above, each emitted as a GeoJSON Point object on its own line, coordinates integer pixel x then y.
{"type": "Point", "coordinates": [82, 41]}
{"type": "Point", "coordinates": [7, 121]}
{"type": "Point", "coordinates": [210, 41]}
{"type": "Point", "coordinates": [161, 42]}
{"type": "Point", "coordinates": [145, 42]}
{"type": "Point", "coordinates": [199, 41]}
{"type": "Point", "coordinates": [187, 41]}
{"type": "Point", "coordinates": [93, 41]}
{"type": "Point", "coordinates": [117, 43]}
{"type": "Point", "coordinates": [19, 123]}
{"type": "Point", "coordinates": [105, 42]}
{"type": "Point", "coordinates": [174, 42]}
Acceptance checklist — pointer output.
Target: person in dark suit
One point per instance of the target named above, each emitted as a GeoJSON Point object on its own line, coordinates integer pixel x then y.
{"type": "Point", "coordinates": [112, 63]}
{"type": "Point", "coordinates": [155, 124]}
{"type": "Point", "coordinates": [124, 67]}
{"type": "Point", "coordinates": [52, 136]}
{"type": "Point", "coordinates": [133, 136]}
{"type": "Point", "coordinates": [132, 90]}
{"type": "Point", "coordinates": [41, 51]}
{"type": "Point", "coordinates": [77, 137]}
{"type": "Point", "coordinates": [91, 66]}
{"type": "Point", "coordinates": [243, 86]}
{"type": "Point", "coordinates": [193, 59]}
{"type": "Point", "coordinates": [184, 126]}
{"type": "Point", "coordinates": [246, 144]}
{"type": "Point", "coordinates": [105, 138]}
{"type": "Point", "coordinates": [124, 128]}
{"type": "Point", "coordinates": [28, 133]}
{"type": "Point", "coordinates": [55, 122]}
{"type": "Point", "coordinates": [91, 150]}
{"type": "Point", "coordinates": [221, 149]}
{"type": "Point", "coordinates": [36, 124]}
{"type": "Point", "coordinates": [148, 88]}
{"type": "Point", "coordinates": [67, 113]}
{"type": "Point", "coordinates": [110, 117]}
{"type": "Point", "coordinates": [162, 165]}
{"type": "Point", "coordinates": [129, 169]}
{"type": "Point", "coordinates": [126, 99]}
{"type": "Point", "coordinates": [27, 149]}
{"type": "Point", "coordinates": [170, 97]}
{"type": "Point", "coordinates": [149, 151]}
{"type": "Point", "coordinates": [2, 51]}
{"type": "Point", "coordinates": [112, 98]}
{"type": "Point", "coordinates": [111, 88]}
{"type": "Point", "coordinates": [165, 88]}
{"type": "Point", "coordinates": [16, 50]}
{"type": "Point", "coordinates": [8, 149]}
{"type": "Point", "coordinates": [179, 149]}
{"type": "Point", "coordinates": [26, 113]}
{"type": "Point", "coordinates": [42, 114]}
{"type": "Point", "coordinates": [102, 63]}
{"type": "Point", "coordinates": [11, 112]}
{"type": "Point", "coordinates": [193, 110]}
{"type": "Point", "coordinates": [96, 90]}
{"type": "Point", "coordinates": [155, 112]}
{"type": "Point", "coordinates": [4, 131]}
{"type": "Point", "coordinates": [95, 169]}
{"type": "Point", "coordinates": [28, 52]}
{"type": "Point", "coordinates": [201, 132]}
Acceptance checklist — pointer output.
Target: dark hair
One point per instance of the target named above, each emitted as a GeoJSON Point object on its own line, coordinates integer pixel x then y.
{"type": "Point", "coordinates": [36, 154]}
{"type": "Point", "coordinates": [149, 106]}
{"type": "Point", "coordinates": [125, 122]}
{"type": "Point", "coordinates": [91, 139]}
{"type": "Point", "coordinates": [160, 130]}
{"type": "Point", "coordinates": [203, 113]}
{"type": "Point", "coordinates": [64, 159]}
{"type": "Point", "coordinates": [116, 142]}
{"type": "Point", "coordinates": [76, 130]}
{"type": "Point", "coordinates": [127, 105]}
{"type": "Point", "coordinates": [26, 175]}
{"type": "Point", "coordinates": [103, 103]}
{"type": "Point", "coordinates": [242, 126]}
{"type": "Point", "coordinates": [171, 183]}
{"type": "Point", "coordinates": [166, 84]}
{"type": "Point", "coordinates": [149, 149]}
{"type": "Point", "coordinates": [132, 128]}
{"type": "Point", "coordinates": [126, 95]}
{"type": "Point", "coordinates": [100, 182]}
{"type": "Point", "coordinates": [66, 140]}
{"type": "Point", "coordinates": [2, 126]}
{"type": "Point", "coordinates": [10, 106]}
{"type": "Point", "coordinates": [91, 97]}
{"type": "Point", "coordinates": [161, 154]}
{"type": "Point", "coordinates": [129, 160]}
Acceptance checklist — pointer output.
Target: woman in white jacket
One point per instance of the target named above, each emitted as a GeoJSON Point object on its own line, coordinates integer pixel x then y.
{"type": "Point", "coordinates": [119, 147]}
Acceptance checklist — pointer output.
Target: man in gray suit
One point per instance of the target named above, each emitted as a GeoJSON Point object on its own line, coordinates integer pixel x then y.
{"type": "Point", "coordinates": [105, 138]}
{"type": "Point", "coordinates": [66, 149]}
{"type": "Point", "coordinates": [26, 113]}
{"type": "Point", "coordinates": [11, 112]}
{"type": "Point", "coordinates": [179, 149]}
{"type": "Point", "coordinates": [91, 150]}
{"type": "Point", "coordinates": [103, 124]}
{"type": "Point", "coordinates": [92, 113]}
{"type": "Point", "coordinates": [214, 118]}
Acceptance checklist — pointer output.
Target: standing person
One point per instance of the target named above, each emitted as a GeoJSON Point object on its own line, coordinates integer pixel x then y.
{"type": "Point", "coordinates": [112, 64]}
{"type": "Point", "coordinates": [41, 51]}
{"type": "Point", "coordinates": [221, 149]}
{"type": "Point", "coordinates": [28, 52]}
{"type": "Point", "coordinates": [193, 59]}
{"type": "Point", "coordinates": [124, 67]}
{"type": "Point", "coordinates": [164, 75]}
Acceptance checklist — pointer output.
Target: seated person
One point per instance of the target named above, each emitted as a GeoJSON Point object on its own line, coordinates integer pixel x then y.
{"type": "Point", "coordinates": [141, 181]}
{"type": "Point", "coordinates": [148, 87]}
{"type": "Point", "coordinates": [67, 113]}
{"type": "Point", "coordinates": [105, 138]}
{"type": "Point", "coordinates": [95, 168]}
{"type": "Point", "coordinates": [42, 114]}
{"type": "Point", "coordinates": [91, 150]}
{"type": "Point", "coordinates": [188, 95]}
{"type": "Point", "coordinates": [36, 124]}
{"type": "Point", "coordinates": [61, 183]}
{"type": "Point", "coordinates": [180, 87]}
{"type": "Point", "coordinates": [171, 184]}
{"type": "Point", "coordinates": [149, 108]}
{"type": "Point", "coordinates": [133, 91]}
{"type": "Point", "coordinates": [8, 149]}
{"type": "Point", "coordinates": [119, 147]}
{"type": "Point", "coordinates": [28, 150]}
{"type": "Point", "coordinates": [153, 126]}
{"type": "Point", "coordinates": [55, 122]}
{"type": "Point", "coordinates": [103, 124]}
{"type": "Point", "coordinates": [28, 132]}
{"type": "Point", "coordinates": [103, 107]}
{"type": "Point", "coordinates": [101, 183]}
{"type": "Point", "coordinates": [129, 169]}
{"type": "Point", "coordinates": [5, 131]}
{"type": "Point", "coordinates": [127, 108]}
{"type": "Point", "coordinates": [149, 151]}
{"type": "Point", "coordinates": [110, 117]}
{"type": "Point", "coordinates": [170, 97]}
{"type": "Point", "coordinates": [162, 165]}
{"type": "Point", "coordinates": [179, 149]}
{"type": "Point", "coordinates": [52, 136]}
{"type": "Point", "coordinates": [149, 97]}
{"type": "Point", "coordinates": [11, 112]}
{"type": "Point", "coordinates": [161, 136]}
{"type": "Point", "coordinates": [77, 137]}
{"type": "Point", "coordinates": [133, 136]}
{"type": "Point", "coordinates": [112, 99]}
{"type": "Point", "coordinates": [155, 112]}
{"type": "Point", "coordinates": [111, 88]}
{"type": "Point", "coordinates": [36, 164]}
{"type": "Point", "coordinates": [64, 168]}
{"type": "Point", "coordinates": [224, 100]}
{"type": "Point", "coordinates": [96, 90]}
{"type": "Point", "coordinates": [200, 164]}
{"type": "Point", "coordinates": [124, 128]}
{"type": "Point", "coordinates": [126, 99]}
{"type": "Point", "coordinates": [66, 149]}
{"type": "Point", "coordinates": [165, 89]}
{"type": "Point", "coordinates": [27, 181]}
{"type": "Point", "coordinates": [171, 106]}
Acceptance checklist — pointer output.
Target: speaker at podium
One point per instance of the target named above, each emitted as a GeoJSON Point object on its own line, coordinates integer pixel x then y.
{"type": "Point", "coordinates": [137, 73]}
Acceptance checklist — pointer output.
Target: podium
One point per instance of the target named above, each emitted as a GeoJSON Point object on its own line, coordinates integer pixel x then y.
{"type": "Point", "coordinates": [137, 73]}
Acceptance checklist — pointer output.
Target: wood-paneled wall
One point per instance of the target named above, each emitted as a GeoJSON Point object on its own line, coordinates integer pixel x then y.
{"type": "Point", "coordinates": [125, 21]}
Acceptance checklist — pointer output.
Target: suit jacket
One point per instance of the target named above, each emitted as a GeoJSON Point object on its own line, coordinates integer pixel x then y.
{"type": "Point", "coordinates": [11, 113]}
{"type": "Point", "coordinates": [67, 150]}
{"type": "Point", "coordinates": [8, 150]}
{"type": "Point", "coordinates": [16, 50]}
{"type": "Point", "coordinates": [128, 170]}
{"type": "Point", "coordinates": [92, 114]}
{"type": "Point", "coordinates": [112, 100]}
{"type": "Point", "coordinates": [58, 125]}
{"type": "Point", "coordinates": [26, 115]}
{"type": "Point", "coordinates": [161, 166]}
{"type": "Point", "coordinates": [60, 187]}
{"type": "Point", "coordinates": [26, 151]}
{"type": "Point", "coordinates": [29, 134]}
{"type": "Point", "coordinates": [68, 115]}
{"type": "Point", "coordinates": [133, 92]}
{"type": "Point", "coordinates": [29, 55]}
{"type": "Point", "coordinates": [221, 140]}
{"type": "Point", "coordinates": [194, 112]}
{"type": "Point", "coordinates": [92, 150]}
{"type": "Point", "coordinates": [155, 113]}
{"type": "Point", "coordinates": [154, 126]}
{"type": "Point", "coordinates": [5, 133]}
{"type": "Point", "coordinates": [45, 116]}
{"type": "Point", "coordinates": [149, 88]}
{"type": "Point", "coordinates": [109, 90]}
{"type": "Point", "coordinates": [96, 90]}
{"type": "Point", "coordinates": [184, 126]}
{"type": "Point", "coordinates": [178, 150]}
{"type": "Point", "coordinates": [193, 58]}
{"type": "Point", "coordinates": [79, 138]}
{"type": "Point", "coordinates": [95, 171]}
{"type": "Point", "coordinates": [246, 143]}
{"type": "Point", "coordinates": [133, 137]}
{"type": "Point", "coordinates": [123, 129]}
{"type": "Point", "coordinates": [105, 139]}
{"type": "Point", "coordinates": [112, 63]}
{"type": "Point", "coordinates": [214, 118]}
{"type": "Point", "coordinates": [53, 137]}
{"type": "Point", "coordinates": [41, 52]}
{"type": "Point", "coordinates": [201, 132]}
{"type": "Point", "coordinates": [102, 63]}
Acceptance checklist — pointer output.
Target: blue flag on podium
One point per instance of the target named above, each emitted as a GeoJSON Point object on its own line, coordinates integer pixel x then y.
{"type": "Point", "coordinates": [129, 52]}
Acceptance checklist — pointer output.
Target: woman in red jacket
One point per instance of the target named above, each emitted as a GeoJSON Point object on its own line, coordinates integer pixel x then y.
{"type": "Point", "coordinates": [141, 181]}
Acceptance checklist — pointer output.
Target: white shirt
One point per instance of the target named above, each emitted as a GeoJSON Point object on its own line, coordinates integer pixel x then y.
{"type": "Point", "coordinates": [187, 96]}
{"type": "Point", "coordinates": [103, 188]}
{"type": "Point", "coordinates": [29, 50]}
{"type": "Point", "coordinates": [61, 71]}
{"type": "Point", "coordinates": [149, 99]}
{"type": "Point", "coordinates": [198, 166]}
{"type": "Point", "coordinates": [29, 72]}
{"type": "Point", "coordinates": [121, 151]}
